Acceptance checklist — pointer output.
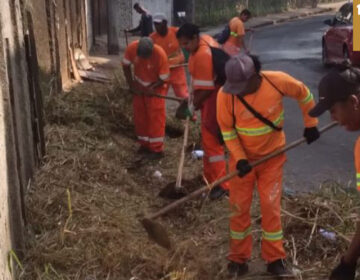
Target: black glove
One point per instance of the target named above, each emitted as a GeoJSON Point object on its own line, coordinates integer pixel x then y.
{"type": "Point", "coordinates": [243, 167]}
{"type": "Point", "coordinates": [343, 272]}
{"type": "Point", "coordinates": [311, 134]}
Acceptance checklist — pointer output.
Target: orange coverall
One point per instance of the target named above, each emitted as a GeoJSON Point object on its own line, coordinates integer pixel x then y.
{"type": "Point", "coordinates": [232, 45]}
{"type": "Point", "coordinates": [149, 112]}
{"type": "Point", "coordinates": [172, 48]}
{"type": "Point", "coordinates": [251, 139]}
{"type": "Point", "coordinates": [201, 70]}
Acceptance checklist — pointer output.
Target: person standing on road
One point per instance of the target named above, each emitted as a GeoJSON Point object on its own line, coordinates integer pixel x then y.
{"type": "Point", "coordinates": [166, 38]}
{"type": "Point", "coordinates": [204, 98]}
{"type": "Point", "coordinates": [250, 114]}
{"type": "Point", "coordinates": [151, 71]}
{"type": "Point", "coordinates": [145, 27]}
{"type": "Point", "coordinates": [236, 41]}
{"type": "Point", "coordinates": [339, 92]}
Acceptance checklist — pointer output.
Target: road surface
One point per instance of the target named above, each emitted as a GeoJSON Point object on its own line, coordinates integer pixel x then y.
{"type": "Point", "coordinates": [295, 47]}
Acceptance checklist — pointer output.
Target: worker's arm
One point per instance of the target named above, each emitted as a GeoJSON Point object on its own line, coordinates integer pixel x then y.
{"type": "Point", "coordinates": [136, 29]}
{"type": "Point", "coordinates": [130, 54]}
{"type": "Point", "coordinates": [128, 75]}
{"type": "Point", "coordinates": [295, 89]}
{"type": "Point", "coordinates": [226, 119]}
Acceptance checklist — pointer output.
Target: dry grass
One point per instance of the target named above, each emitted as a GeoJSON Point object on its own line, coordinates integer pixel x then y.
{"type": "Point", "coordinates": [84, 205]}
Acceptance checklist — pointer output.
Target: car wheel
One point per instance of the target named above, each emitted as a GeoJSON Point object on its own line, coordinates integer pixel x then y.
{"type": "Point", "coordinates": [325, 55]}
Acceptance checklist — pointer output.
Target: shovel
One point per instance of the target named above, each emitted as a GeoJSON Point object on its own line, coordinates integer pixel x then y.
{"type": "Point", "coordinates": [159, 234]}
{"type": "Point", "coordinates": [177, 191]}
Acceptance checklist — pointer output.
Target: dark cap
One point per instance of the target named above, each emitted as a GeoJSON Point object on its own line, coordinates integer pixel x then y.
{"type": "Point", "coordinates": [239, 69]}
{"type": "Point", "coordinates": [145, 47]}
{"type": "Point", "coordinates": [335, 87]}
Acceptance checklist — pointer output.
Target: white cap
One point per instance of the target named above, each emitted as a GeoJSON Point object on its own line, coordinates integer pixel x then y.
{"type": "Point", "coordinates": [159, 18]}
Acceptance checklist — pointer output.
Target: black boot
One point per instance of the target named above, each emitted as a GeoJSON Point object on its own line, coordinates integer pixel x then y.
{"type": "Point", "coordinates": [217, 193]}
{"type": "Point", "coordinates": [237, 269]}
{"type": "Point", "coordinates": [278, 268]}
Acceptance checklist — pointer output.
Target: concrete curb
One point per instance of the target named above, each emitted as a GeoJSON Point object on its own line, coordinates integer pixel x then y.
{"type": "Point", "coordinates": [212, 31]}
{"type": "Point", "coordinates": [282, 20]}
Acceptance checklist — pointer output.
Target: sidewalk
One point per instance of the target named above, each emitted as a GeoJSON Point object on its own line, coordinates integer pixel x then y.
{"type": "Point", "coordinates": [272, 19]}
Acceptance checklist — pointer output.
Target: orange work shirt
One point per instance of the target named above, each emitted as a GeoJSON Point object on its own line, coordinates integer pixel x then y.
{"type": "Point", "coordinates": [170, 45]}
{"type": "Point", "coordinates": [248, 137]}
{"type": "Point", "coordinates": [357, 163]}
{"type": "Point", "coordinates": [237, 29]}
{"type": "Point", "coordinates": [147, 70]}
{"type": "Point", "coordinates": [200, 65]}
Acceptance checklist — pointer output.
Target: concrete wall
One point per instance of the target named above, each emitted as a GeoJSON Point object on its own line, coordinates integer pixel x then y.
{"type": "Point", "coordinates": [154, 6]}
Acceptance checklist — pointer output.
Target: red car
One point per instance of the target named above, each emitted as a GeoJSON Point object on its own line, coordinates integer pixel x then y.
{"type": "Point", "coordinates": [337, 42]}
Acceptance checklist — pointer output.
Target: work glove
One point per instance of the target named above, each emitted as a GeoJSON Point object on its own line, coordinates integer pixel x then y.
{"type": "Point", "coordinates": [311, 134]}
{"type": "Point", "coordinates": [243, 167]}
{"type": "Point", "coordinates": [343, 272]}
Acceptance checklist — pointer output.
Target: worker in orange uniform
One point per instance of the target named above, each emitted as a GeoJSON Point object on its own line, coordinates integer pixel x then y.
{"type": "Point", "coordinates": [166, 38]}
{"type": "Point", "coordinates": [151, 71]}
{"type": "Point", "coordinates": [248, 137]}
{"type": "Point", "coordinates": [204, 98]}
{"type": "Point", "coordinates": [236, 41]}
{"type": "Point", "coordinates": [339, 92]}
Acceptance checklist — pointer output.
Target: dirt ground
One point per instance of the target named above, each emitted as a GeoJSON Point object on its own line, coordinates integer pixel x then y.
{"type": "Point", "coordinates": [85, 204]}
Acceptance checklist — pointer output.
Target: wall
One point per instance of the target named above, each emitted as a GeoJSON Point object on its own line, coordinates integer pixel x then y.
{"type": "Point", "coordinates": [18, 151]}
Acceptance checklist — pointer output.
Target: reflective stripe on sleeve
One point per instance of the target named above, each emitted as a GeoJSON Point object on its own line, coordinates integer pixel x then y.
{"type": "Point", "coordinates": [358, 181]}
{"type": "Point", "coordinates": [229, 135]}
{"type": "Point", "coordinates": [260, 130]}
{"type": "Point", "coordinates": [234, 34]}
{"type": "Point", "coordinates": [156, 140]}
{"type": "Point", "coordinates": [240, 235]}
{"type": "Point", "coordinates": [217, 158]}
{"type": "Point", "coordinates": [164, 76]}
{"type": "Point", "coordinates": [126, 61]}
{"type": "Point", "coordinates": [143, 83]}
{"type": "Point", "coordinates": [272, 236]}
{"type": "Point", "coordinates": [308, 97]}
{"type": "Point", "coordinates": [203, 83]}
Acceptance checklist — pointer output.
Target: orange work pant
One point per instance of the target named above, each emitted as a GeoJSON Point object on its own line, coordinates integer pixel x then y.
{"type": "Point", "coordinates": [268, 177]}
{"type": "Point", "coordinates": [214, 157]}
{"type": "Point", "coordinates": [149, 119]}
{"type": "Point", "coordinates": [178, 82]}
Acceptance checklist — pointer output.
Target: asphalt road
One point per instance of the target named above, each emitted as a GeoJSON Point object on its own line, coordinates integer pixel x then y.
{"type": "Point", "coordinates": [295, 48]}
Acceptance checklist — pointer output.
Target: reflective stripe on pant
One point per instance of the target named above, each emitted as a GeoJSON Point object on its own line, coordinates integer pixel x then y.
{"type": "Point", "coordinates": [178, 82]}
{"type": "Point", "coordinates": [149, 120]}
{"type": "Point", "coordinates": [268, 177]}
{"type": "Point", "coordinates": [214, 159]}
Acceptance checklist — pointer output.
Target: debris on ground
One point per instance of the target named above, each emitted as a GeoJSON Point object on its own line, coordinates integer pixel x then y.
{"type": "Point", "coordinates": [86, 202]}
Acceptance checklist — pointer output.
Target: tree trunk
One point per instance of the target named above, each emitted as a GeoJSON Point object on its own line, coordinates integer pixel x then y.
{"type": "Point", "coordinates": [113, 26]}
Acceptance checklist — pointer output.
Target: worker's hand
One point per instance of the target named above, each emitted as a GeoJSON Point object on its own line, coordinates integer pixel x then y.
{"type": "Point", "coordinates": [311, 134]}
{"type": "Point", "coordinates": [243, 167]}
{"type": "Point", "coordinates": [343, 272]}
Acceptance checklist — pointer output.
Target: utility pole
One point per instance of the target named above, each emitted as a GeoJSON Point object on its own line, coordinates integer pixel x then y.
{"type": "Point", "coordinates": [113, 12]}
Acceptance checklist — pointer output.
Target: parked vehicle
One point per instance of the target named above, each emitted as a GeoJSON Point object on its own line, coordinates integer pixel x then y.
{"type": "Point", "coordinates": [337, 41]}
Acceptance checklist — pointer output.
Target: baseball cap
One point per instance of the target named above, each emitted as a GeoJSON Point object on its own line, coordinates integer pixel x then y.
{"type": "Point", "coordinates": [145, 47]}
{"type": "Point", "coordinates": [239, 69]}
{"type": "Point", "coordinates": [159, 18]}
{"type": "Point", "coordinates": [334, 87]}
